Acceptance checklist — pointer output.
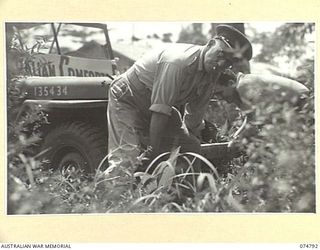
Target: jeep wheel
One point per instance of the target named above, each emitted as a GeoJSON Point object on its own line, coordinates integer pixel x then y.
{"type": "Point", "coordinates": [76, 145]}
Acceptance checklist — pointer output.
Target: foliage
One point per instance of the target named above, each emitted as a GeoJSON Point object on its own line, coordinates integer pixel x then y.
{"type": "Point", "coordinates": [280, 172]}
{"type": "Point", "coordinates": [192, 34]}
{"type": "Point", "coordinates": [286, 41]}
{"type": "Point", "coordinates": [23, 166]}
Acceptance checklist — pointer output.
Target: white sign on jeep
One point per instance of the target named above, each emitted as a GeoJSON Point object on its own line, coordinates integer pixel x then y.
{"type": "Point", "coordinates": [56, 65]}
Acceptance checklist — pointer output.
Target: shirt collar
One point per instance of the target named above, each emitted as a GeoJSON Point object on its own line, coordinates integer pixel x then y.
{"type": "Point", "coordinates": [201, 58]}
{"type": "Point", "coordinates": [197, 63]}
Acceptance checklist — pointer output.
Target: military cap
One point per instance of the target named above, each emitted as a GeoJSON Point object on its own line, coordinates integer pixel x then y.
{"type": "Point", "coordinates": [235, 38]}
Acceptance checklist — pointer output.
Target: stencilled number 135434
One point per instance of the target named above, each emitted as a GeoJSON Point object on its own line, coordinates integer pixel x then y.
{"type": "Point", "coordinates": [50, 91]}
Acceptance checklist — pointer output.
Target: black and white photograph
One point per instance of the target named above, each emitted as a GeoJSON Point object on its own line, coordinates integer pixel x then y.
{"type": "Point", "coordinates": [160, 117]}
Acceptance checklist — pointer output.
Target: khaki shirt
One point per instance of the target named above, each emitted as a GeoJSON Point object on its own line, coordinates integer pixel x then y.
{"type": "Point", "coordinates": [175, 77]}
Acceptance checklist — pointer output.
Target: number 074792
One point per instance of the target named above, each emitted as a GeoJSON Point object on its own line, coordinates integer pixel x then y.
{"type": "Point", "coordinates": [308, 246]}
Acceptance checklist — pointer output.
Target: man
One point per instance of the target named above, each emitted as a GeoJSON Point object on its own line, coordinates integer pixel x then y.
{"type": "Point", "coordinates": [144, 102]}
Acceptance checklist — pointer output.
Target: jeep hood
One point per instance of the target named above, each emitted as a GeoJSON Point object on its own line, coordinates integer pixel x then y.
{"type": "Point", "coordinates": [63, 88]}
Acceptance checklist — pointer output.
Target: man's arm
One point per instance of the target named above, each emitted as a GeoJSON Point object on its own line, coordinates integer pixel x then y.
{"type": "Point", "coordinates": [157, 129]}
{"type": "Point", "coordinates": [165, 92]}
{"type": "Point", "coordinates": [254, 89]}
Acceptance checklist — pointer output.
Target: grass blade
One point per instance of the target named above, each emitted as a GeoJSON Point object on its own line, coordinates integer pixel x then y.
{"type": "Point", "coordinates": [207, 162]}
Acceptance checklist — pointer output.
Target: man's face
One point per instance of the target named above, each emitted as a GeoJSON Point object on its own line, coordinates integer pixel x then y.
{"type": "Point", "coordinates": [215, 59]}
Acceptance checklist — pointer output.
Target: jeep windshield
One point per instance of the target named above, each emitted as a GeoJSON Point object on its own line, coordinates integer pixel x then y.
{"type": "Point", "coordinates": [67, 49]}
{"type": "Point", "coordinates": [76, 39]}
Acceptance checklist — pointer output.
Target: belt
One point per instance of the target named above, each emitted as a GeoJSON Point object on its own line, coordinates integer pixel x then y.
{"type": "Point", "coordinates": [133, 78]}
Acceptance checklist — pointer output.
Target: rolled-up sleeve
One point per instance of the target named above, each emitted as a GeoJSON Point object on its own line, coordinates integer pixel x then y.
{"type": "Point", "coordinates": [166, 87]}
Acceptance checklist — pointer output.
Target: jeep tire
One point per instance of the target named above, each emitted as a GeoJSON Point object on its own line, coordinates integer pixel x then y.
{"type": "Point", "coordinates": [76, 144]}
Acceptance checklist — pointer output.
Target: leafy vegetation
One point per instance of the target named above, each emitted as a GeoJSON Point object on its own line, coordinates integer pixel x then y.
{"type": "Point", "coordinates": [275, 172]}
{"type": "Point", "coordinates": [288, 41]}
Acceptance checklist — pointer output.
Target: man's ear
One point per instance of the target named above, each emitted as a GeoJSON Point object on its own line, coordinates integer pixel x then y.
{"type": "Point", "coordinates": [211, 42]}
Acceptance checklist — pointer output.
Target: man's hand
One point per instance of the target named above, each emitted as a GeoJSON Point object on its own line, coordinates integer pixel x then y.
{"type": "Point", "coordinates": [209, 133]}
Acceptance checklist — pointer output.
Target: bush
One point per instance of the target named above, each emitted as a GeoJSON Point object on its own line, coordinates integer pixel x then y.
{"type": "Point", "coordinates": [279, 175]}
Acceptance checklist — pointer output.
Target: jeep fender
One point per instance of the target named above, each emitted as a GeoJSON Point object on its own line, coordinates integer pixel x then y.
{"type": "Point", "coordinates": [48, 105]}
